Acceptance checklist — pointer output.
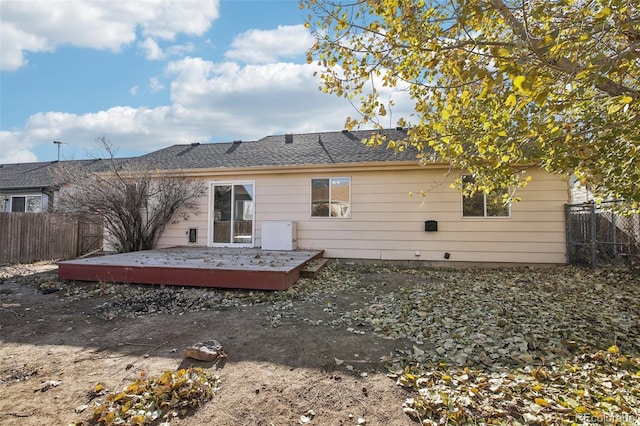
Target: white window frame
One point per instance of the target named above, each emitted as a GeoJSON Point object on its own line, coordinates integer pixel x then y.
{"type": "Point", "coordinates": [484, 206]}
{"type": "Point", "coordinates": [210, 218]}
{"type": "Point", "coordinates": [329, 178]}
{"type": "Point", "coordinates": [26, 204]}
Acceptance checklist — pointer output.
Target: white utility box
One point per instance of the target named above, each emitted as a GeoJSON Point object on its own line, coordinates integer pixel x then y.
{"type": "Point", "coordinates": [279, 235]}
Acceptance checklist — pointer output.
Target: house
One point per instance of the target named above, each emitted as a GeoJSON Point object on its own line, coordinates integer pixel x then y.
{"type": "Point", "coordinates": [330, 192]}
{"type": "Point", "coordinates": [27, 187]}
{"type": "Point", "coordinates": [33, 187]}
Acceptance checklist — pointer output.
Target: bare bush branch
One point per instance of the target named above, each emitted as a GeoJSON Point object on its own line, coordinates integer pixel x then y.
{"type": "Point", "coordinates": [133, 201]}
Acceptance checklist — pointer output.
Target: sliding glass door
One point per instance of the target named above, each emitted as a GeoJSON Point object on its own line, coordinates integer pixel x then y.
{"type": "Point", "coordinates": [232, 215]}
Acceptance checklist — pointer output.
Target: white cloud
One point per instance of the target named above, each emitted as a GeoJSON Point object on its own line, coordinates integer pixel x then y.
{"type": "Point", "coordinates": [255, 100]}
{"type": "Point", "coordinates": [134, 90]}
{"type": "Point", "coordinates": [12, 152]}
{"type": "Point", "coordinates": [15, 42]}
{"type": "Point", "coordinates": [265, 46]}
{"type": "Point", "coordinates": [151, 49]}
{"type": "Point", "coordinates": [209, 102]}
{"type": "Point", "coordinates": [41, 25]}
{"type": "Point", "coordinates": [155, 85]}
{"type": "Point", "coordinates": [127, 127]}
{"type": "Point", "coordinates": [179, 49]}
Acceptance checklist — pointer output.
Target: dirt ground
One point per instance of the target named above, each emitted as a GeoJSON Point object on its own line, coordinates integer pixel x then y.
{"type": "Point", "coordinates": [273, 374]}
{"type": "Point", "coordinates": [320, 353]}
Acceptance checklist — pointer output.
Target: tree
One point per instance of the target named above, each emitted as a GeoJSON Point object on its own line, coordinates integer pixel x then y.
{"type": "Point", "coordinates": [129, 198]}
{"type": "Point", "coordinates": [498, 85]}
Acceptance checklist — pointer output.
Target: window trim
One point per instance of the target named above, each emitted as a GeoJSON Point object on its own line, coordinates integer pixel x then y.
{"type": "Point", "coordinates": [329, 178]}
{"type": "Point", "coordinates": [484, 206]}
{"type": "Point", "coordinates": [25, 196]}
{"type": "Point", "coordinates": [210, 212]}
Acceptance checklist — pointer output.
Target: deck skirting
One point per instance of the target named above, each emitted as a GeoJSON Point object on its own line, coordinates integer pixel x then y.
{"type": "Point", "coordinates": [198, 267]}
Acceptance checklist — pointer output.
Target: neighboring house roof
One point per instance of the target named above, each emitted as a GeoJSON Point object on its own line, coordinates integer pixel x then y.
{"type": "Point", "coordinates": [282, 150]}
{"type": "Point", "coordinates": [25, 176]}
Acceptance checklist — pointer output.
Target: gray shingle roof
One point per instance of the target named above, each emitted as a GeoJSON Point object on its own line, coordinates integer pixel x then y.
{"type": "Point", "coordinates": [280, 150]}
{"type": "Point", "coordinates": [24, 176]}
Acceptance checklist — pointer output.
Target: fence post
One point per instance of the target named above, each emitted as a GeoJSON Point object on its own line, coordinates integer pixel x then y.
{"type": "Point", "coordinates": [614, 233]}
{"type": "Point", "coordinates": [567, 230]}
{"type": "Point", "coordinates": [594, 237]}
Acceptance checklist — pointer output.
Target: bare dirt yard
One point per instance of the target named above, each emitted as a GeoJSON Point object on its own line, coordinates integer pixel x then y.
{"type": "Point", "coordinates": [368, 345]}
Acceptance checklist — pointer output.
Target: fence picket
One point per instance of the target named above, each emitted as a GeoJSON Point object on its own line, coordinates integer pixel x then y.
{"type": "Point", "coordinates": [32, 237]}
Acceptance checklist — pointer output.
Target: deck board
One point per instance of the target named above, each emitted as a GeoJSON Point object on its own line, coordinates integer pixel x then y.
{"type": "Point", "coordinates": [195, 266]}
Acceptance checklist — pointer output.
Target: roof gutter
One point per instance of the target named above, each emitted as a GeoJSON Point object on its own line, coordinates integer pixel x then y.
{"type": "Point", "coordinates": [306, 168]}
{"type": "Point", "coordinates": [25, 189]}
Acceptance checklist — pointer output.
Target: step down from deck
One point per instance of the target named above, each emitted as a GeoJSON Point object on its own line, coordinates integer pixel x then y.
{"type": "Point", "coordinates": [312, 268]}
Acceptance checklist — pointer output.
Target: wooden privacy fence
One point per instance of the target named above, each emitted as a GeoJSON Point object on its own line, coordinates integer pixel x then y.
{"type": "Point", "coordinates": [31, 237]}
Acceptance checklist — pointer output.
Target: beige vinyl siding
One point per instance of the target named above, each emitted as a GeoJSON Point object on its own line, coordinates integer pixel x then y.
{"type": "Point", "coordinates": [388, 224]}
{"type": "Point", "coordinates": [176, 232]}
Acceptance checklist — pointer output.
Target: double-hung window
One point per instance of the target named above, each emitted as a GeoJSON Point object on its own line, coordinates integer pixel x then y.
{"type": "Point", "coordinates": [331, 197]}
{"type": "Point", "coordinates": [483, 205]}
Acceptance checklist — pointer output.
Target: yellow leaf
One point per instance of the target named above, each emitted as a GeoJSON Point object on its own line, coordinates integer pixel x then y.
{"type": "Point", "coordinates": [541, 401]}
{"type": "Point", "coordinates": [614, 108]}
{"type": "Point", "coordinates": [613, 349]}
{"type": "Point", "coordinates": [138, 420]}
{"type": "Point", "coordinates": [446, 378]}
{"type": "Point", "coordinates": [502, 133]}
{"type": "Point", "coordinates": [503, 52]}
{"type": "Point", "coordinates": [604, 12]}
{"type": "Point", "coordinates": [580, 409]}
{"type": "Point", "coordinates": [446, 114]}
{"type": "Point", "coordinates": [518, 81]}
{"type": "Point", "coordinates": [511, 100]}
{"type": "Point", "coordinates": [537, 387]}
{"type": "Point", "coordinates": [505, 158]}
{"type": "Point", "coordinates": [626, 99]}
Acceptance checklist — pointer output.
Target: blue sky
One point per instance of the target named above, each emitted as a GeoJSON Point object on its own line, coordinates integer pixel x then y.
{"type": "Point", "coordinates": [152, 73]}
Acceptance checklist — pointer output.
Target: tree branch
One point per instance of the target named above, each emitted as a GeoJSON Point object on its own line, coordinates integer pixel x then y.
{"type": "Point", "coordinates": [562, 65]}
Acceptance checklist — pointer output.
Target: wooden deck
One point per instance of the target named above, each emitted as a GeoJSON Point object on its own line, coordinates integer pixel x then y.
{"type": "Point", "coordinates": [195, 266]}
